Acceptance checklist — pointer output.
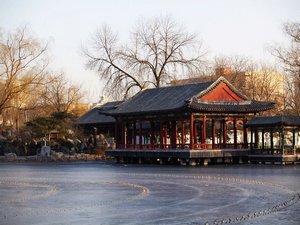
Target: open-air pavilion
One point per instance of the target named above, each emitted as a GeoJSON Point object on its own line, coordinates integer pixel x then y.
{"type": "Point", "coordinates": [186, 122]}
{"type": "Point", "coordinates": [274, 138]}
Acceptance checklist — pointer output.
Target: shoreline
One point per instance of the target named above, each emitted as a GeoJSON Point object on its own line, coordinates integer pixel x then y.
{"type": "Point", "coordinates": [57, 157]}
{"type": "Point", "coordinates": [101, 158]}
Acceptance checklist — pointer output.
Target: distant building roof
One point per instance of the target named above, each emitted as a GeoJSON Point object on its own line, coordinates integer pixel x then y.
{"type": "Point", "coordinates": [273, 121]}
{"type": "Point", "coordinates": [175, 98]}
{"type": "Point", "coordinates": [94, 116]}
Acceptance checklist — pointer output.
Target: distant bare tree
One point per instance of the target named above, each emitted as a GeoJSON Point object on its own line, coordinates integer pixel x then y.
{"type": "Point", "coordinates": [258, 81]}
{"type": "Point", "coordinates": [290, 59]}
{"type": "Point", "coordinates": [59, 96]}
{"type": "Point", "coordinates": [158, 51]}
{"type": "Point", "coordinates": [22, 66]}
{"type": "Point", "coordinates": [265, 83]}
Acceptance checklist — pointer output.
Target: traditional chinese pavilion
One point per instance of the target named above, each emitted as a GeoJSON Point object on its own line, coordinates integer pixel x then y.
{"type": "Point", "coordinates": [187, 123]}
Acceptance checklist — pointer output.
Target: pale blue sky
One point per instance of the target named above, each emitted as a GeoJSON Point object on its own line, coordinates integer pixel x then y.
{"type": "Point", "coordinates": [242, 27]}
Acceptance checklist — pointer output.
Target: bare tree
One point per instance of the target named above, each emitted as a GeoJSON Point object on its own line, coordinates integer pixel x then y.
{"type": "Point", "coordinates": [59, 96]}
{"type": "Point", "coordinates": [258, 81]}
{"type": "Point", "coordinates": [23, 61]}
{"type": "Point", "coordinates": [22, 66]}
{"type": "Point", "coordinates": [233, 68]}
{"type": "Point", "coordinates": [265, 83]}
{"type": "Point", "coordinates": [158, 51]}
{"type": "Point", "coordinates": [290, 59]}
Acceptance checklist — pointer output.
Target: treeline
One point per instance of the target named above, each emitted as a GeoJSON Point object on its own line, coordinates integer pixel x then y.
{"type": "Point", "coordinates": [28, 88]}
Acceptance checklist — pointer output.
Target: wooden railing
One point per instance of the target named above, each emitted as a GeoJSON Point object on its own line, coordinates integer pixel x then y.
{"type": "Point", "coordinates": [219, 146]}
{"type": "Point", "coordinates": [255, 151]}
{"type": "Point", "coordinates": [275, 151]}
{"type": "Point", "coordinates": [180, 146]}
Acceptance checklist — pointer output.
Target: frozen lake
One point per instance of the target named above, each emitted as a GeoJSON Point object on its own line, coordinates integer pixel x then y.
{"type": "Point", "coordinates": [108, 193]}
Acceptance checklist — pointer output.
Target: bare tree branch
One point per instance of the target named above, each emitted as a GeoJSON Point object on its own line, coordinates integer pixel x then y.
{"type": "Point", "coordinates": [59, 95]}
{"type": "Point", "coordinates": [157, 50]}
{"type": "Point", "coordinates": [290, 59]}
{"type": "Point", "coordinates": [22, 66]}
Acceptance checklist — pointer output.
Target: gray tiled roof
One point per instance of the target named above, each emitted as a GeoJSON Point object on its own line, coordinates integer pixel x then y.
{"type": "Point", "coordinates": [263, 121]}
{"type": "Point", "coordinates": [170, 99]}
{"type": "Point", "coordinates": [161, 99]}
{"type": "Point", "coordinates": [94, 116]}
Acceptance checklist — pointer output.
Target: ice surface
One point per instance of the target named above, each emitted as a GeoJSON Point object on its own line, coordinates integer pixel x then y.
{"type": "Point", "coordinates": [108, 193]}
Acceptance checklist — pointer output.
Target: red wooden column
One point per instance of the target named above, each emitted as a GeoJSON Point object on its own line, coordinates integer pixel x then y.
{"type": "Point", "coordinates": [128, 136]}
{"type": "Point", "coordinates": [263, 139]}
{"type": "Point", "coordinates": [204, 131]}
{"type": "Point", "coordinates": [183, 133]}
{"type": "Point", "coordinates": [234, 133]}
{"type": "Point", "coordinates": [161, 134]}
{"type": "Point", "coordinates": [272, 140]}
{"type": "Point", "coordinates": [224, 133]}
{"type": "Point", "coordinates": [152, 134]}
{"type": "Point", "coordinates": [256, 138]}
{"type": "Point", "coordinates": [294, 139]}
{"type": "Point", "coordinates": [123, 135]}
{"type": "Point", "coordinates": [195, 131]}
{"type": "Point", "coordinates": [213, 133]}
{"type": "Point", "coordinates": [116, 134]}
{"type": "Point", "coordinates": [165, 135]}
{"type": "Point", "coordinates": [134, 134]}
{"type": "Point", "coordinates": [191, 131]}
{"type": "Point", "coordinates": [174, 134]}
{"type": "Point", "coordinates": [141, 135]}
{"type": "Point", "coordinates": [245, 134]}
{"type": "Point", "coordinates": [251, 139]}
